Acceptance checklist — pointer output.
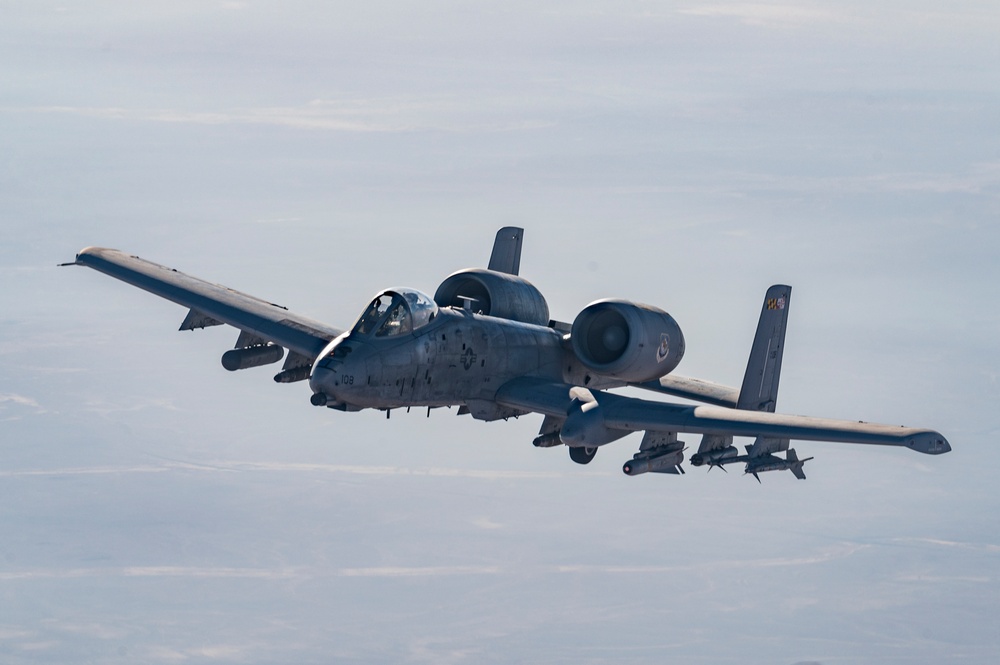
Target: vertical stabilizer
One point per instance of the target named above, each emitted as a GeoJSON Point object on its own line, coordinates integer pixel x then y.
{"type": "Point", "coordinates": [506, 255]}
{"type": "Point", "coordinates": [759, 391]}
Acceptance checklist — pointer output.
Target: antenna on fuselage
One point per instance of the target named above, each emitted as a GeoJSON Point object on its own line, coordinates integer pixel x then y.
{"type": "Point", "coordinates": [467, 303]}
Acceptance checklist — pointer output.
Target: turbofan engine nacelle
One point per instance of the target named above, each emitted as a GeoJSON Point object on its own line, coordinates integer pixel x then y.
{"type": "Point", "coordinates": [494, 294]}
{"type": "Point", "coordinates": [626, 340]}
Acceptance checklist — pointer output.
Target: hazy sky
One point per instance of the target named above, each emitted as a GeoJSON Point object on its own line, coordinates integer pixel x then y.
{"type": "Point", "coordinates": [155, 508]}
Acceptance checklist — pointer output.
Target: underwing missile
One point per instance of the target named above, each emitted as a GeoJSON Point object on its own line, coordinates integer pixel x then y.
{"type": "Point", "coordinates": [773, 463]}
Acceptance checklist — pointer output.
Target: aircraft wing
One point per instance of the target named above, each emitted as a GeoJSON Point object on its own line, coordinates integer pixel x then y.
{"type": "Point", "coordinates": [213, 304]}
{"type": "Point", "coordinates": [619, 412]}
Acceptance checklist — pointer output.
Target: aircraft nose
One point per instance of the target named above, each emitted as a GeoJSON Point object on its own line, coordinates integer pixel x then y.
{"type": "Point", "coordinates": [322, 383]}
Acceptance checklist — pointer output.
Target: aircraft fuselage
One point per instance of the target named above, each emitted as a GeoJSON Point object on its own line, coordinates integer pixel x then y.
{"type": "Point", "coordinates": [458, 358]}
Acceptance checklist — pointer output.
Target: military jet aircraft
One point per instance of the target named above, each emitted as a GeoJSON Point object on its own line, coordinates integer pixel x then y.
{"type": "Point", "coordinates": [485, 343]}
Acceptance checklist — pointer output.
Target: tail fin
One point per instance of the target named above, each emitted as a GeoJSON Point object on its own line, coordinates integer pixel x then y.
{"type": "Point", "coordinates": [795, 464]}
{"type": "Point", "coordinates": [506, 255]}
{"type": "Point", "coordinates": [760, 383]}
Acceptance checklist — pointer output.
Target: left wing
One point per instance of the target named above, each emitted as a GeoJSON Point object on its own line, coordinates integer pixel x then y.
{"type": "Point", "coordinates": [260, 322]}
{"type": "Point", "coordinates": [617, 412]}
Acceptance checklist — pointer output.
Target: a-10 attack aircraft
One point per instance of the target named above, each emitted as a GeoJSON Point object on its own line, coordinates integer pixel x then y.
{"type": "Point", "coordinates": [485, 344]}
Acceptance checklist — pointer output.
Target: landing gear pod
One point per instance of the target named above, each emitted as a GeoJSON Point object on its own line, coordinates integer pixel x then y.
{"type": "Point", "coordinates": [582, 455]}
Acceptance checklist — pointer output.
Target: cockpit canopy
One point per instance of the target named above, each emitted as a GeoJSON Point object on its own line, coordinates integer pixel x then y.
{"type": "Point", "coordinates": [396, 312]}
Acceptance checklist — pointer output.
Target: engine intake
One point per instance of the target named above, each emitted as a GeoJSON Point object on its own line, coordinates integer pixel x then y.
{"type": "Point", "coordinates": [494, 294]}
{"type": "Point", "coordinates": [626, 340]}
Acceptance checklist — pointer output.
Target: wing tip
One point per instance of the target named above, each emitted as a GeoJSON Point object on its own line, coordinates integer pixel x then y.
{"type": "Point", "coordinates": [929, 442]}
{"type": "Point", "coordinates": [93, 252]}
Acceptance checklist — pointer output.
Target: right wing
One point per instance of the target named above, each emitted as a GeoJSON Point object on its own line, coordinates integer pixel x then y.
{"type": "Point", "coordinates": [618, 412]}
{"type": "Point", "coordinates": [213, 304]}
